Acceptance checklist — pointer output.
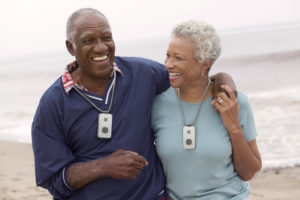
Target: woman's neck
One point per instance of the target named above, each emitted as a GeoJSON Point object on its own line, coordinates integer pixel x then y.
{"type": "Point", "coordinates": [193, 92]}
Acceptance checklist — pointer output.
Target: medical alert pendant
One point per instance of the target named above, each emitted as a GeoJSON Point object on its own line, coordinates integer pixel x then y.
{"type": "Point", "coordinates": [189, 137]}
{"type": "Point", "coordinates": [104, 125]}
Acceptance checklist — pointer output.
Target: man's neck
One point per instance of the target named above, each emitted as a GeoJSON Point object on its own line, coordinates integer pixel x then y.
{"type": "Point", "coordinates": [92, 84]}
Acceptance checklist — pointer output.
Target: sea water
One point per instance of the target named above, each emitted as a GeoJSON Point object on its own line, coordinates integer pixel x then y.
{"type": "Point", "coordinates": [264, 62]}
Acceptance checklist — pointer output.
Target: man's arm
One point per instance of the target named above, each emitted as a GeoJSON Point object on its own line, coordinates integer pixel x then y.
{"type": "Point", "coordinates": [54, 160]}
{"type": "Point", "coordinates": [222, 78]}
{"type": "Point", "coordinates": [119, 165]}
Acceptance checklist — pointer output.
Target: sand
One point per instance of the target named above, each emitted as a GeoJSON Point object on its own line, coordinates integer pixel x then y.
{"type": "Point", "coordinates": [17, 181]}
{"type": "Point", "coordinates": [276, 184]}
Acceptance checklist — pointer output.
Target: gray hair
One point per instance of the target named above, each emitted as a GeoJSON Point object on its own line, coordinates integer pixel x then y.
{"type": "Point", "coordinates": [75, 15]}
{"type": "Point", "coordinates": [206, 41]}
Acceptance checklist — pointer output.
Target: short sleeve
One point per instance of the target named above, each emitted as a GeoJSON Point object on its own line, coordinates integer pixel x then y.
{"type": "Point", "coordinates": [246, 118]}
{"type": "Point", "coordinates": [161, 76]}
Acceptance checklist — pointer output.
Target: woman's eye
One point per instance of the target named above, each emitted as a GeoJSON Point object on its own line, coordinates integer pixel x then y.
{"type": "Point", "coordinates": [178, 58]}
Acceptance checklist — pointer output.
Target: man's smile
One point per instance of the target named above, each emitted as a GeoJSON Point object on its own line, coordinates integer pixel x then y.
{"type": "Point", "coordinates": [99, 58]}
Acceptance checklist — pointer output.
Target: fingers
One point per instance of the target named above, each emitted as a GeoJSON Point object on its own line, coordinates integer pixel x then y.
{"type": "Point", "coordinates": [217, 105]}
{"type": "Point", "coordinates": [225, 98]}
{"type": "Point", "coordinates": [229, 91]}
{"type": "Point", "coordinates": [134, 157]}
{"type": "Point", "coordinates": [221, 99]}
{"type": "Point", "coordinates": [139, 159]}
{"type": "Point", "coordinates": [124, 164]}
{"type": "Point", "coordinates": [222, 102]}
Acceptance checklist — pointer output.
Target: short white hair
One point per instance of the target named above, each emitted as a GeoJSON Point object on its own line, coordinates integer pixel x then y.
{"type": "Point", "coordinates": [204, 37]}
{"type": "Point", "coordinates": [75, 15]}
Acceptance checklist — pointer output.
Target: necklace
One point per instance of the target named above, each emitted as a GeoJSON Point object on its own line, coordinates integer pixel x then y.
{"type": "Point", "coordinates": [189, 130]}
{"type": "Point", "coordinates": [104, 117]}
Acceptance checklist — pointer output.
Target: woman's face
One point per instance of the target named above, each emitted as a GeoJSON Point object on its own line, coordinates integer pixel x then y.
{"type": "Point", "coordinates": [184, 70]}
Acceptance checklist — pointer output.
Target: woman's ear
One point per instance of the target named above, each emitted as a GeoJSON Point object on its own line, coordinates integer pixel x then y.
{"type": "Point", "coordinates": [70, 47]}
{"type": "Point", "coordinates": [206, 65]}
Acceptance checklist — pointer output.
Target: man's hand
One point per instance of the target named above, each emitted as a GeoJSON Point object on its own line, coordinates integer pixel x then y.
{"type": "Point", "coordinates": [222, 79]}
{"type": "Point", "coordinates": [124, 164]}
{"type": "Point", "coordinates": [119, 165]}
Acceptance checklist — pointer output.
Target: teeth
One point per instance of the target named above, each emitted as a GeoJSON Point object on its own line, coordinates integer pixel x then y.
{"type": "Point", "coordinates": [100, 58]}
{"type": "Point", "coordinates": [174, 74]}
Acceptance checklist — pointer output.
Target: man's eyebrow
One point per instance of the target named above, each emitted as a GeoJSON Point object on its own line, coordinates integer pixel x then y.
{"type": "Point", "coordinates": [85, 34]}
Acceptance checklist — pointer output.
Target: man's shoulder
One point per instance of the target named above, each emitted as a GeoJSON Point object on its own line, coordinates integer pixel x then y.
{"type": "Point", "coordinates": [54, 91]}
{"type": "Point", "coordinates": [145, 71]}
{"type": "Point", "coordinates": [137, 62]}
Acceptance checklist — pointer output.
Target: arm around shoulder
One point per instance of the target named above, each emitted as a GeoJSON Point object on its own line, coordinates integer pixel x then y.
{"type": "Point", "coordinates": [222, 78]}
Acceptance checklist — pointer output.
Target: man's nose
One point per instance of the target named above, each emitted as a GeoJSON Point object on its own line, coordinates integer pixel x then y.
{"type": "Point", "coordinates": [100, 46]}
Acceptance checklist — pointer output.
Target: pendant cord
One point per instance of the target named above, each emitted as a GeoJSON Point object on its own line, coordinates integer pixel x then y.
{"type": "Point", "coordinates": [111, 99]}
{"type": "Point", "coordinates": [198, 111]}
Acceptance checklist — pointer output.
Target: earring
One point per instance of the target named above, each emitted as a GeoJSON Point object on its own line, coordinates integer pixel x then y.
{"type": "Point", "coordinates": [202, 73]}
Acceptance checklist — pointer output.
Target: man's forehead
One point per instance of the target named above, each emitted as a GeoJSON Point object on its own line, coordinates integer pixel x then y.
{"type": "Point", "coordinates": [90, 19]}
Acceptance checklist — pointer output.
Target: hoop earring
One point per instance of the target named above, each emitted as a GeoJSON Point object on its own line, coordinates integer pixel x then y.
{"type": "Point", "coordinates": [202, 73]}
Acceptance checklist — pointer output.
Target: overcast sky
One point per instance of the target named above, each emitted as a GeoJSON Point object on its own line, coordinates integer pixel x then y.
{"type": "Point", "coordinates": [39, 26]}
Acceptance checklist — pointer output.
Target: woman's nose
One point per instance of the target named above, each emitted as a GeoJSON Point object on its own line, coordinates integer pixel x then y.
{"type": "Point", "coordinates": [169, 63]}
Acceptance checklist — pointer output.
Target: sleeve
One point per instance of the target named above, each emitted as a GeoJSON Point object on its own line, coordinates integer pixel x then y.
{"type": "Point", "coordinates": [247, 118]}
{"type": "Point", "coordinates": [51, 154]}
{"type": "Point", "coordinates": [161, 76]}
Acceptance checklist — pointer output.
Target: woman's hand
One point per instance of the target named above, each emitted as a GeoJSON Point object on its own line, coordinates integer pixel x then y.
{"type": "Point", "coordinates": [246, 157]}
{"type": "Point", "coordinates": [228, 108]}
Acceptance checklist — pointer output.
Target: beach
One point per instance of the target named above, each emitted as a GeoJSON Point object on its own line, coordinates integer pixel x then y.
{"type": "Point", "coordinates": [264, 63]}
{"type": "Point", "coordinates": [17, 181]}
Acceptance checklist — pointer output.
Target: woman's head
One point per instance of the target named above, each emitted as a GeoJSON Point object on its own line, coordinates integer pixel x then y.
{"type": "Point", "coordinates": [191, 52]}
{"type": "Point", "coordinates": [203, 36]}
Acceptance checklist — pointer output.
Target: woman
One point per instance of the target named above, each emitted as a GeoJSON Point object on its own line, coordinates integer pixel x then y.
{"type": "Point", "coordinates": [207, 147]}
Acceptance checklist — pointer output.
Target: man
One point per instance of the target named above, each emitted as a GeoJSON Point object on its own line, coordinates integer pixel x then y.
{"type": "Point", "coordinates": [91, 133]}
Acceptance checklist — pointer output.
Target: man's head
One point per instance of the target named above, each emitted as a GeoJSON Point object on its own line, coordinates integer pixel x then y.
{"type": "Point", "coordinates": [89, 39]}
{"type": "Point", "coordinates": [74, 16]}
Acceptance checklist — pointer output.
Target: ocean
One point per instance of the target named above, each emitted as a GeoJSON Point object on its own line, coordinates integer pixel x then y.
{"type": "Point", "coordinates": [263, 61]}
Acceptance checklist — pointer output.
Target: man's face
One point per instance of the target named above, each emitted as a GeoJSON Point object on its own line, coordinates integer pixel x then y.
{"type": "Point", "coordinates": [93, 46]}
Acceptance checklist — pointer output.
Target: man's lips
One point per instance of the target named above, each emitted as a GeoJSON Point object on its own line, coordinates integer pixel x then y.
{"type": "Point", "coordinates": [99, 58]}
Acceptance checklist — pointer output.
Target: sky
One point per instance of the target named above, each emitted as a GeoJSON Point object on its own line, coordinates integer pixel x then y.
{"type": "Point", "coordinates": [34, 26]}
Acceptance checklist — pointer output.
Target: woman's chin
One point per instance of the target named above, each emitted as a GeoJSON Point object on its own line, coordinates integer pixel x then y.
{"type": "Point", "coordinates": [174, 86]}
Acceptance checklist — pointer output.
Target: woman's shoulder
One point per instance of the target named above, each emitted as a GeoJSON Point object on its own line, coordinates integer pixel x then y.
{"type": "Point", "coordinates": [165, 99]}
{"type": "Point", "coordinates": [168, 95]}
{"type": "Point", "coordinates": [242, 98]}
{"type": "Point", "coordinates": [244, 102]}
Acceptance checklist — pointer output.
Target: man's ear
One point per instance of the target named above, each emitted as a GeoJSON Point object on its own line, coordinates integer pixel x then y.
{"type": "Point", "coordinates": [70, 47]}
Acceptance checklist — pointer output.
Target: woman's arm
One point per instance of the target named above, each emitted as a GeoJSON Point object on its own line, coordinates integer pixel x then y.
{"type": "Point", "coordinates": [246, 157]}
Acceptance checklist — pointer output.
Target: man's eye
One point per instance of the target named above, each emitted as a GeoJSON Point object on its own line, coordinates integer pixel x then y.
{"type": "Point", "coordinates": [109, 38]}
{"type": "Point", "coordinates": [88, 40]}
